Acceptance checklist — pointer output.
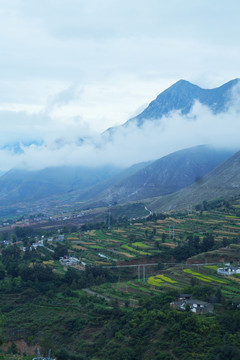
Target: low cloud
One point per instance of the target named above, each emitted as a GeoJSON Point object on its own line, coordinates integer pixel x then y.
{"type": "Point", "coordinates": [69, 141]}
{"type": "Point", "coordinates": [64, 97]}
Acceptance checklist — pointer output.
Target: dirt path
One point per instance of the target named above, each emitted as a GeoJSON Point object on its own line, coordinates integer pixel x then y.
{"type": "Point", "coordinates": [96, 294]}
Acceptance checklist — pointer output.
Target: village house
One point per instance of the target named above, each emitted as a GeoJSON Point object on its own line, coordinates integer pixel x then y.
{"type": "Point", "coordinates": [196, 306]}
{"type": "Point", "coordinates": [185, 297]}
{"type": "Point", "coordinates": [228, 270]}
{"type": "Point", "coordinates": [59, 238]}
{"type": "Point", "coordinates": [68, 260]}
{"type": "Point", "coordinates": [36, 245]}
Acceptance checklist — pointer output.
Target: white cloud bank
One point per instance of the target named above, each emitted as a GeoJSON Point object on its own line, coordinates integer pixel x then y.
{"type": "Point", "coordinates": [70, 141]}
{"type": "Point", "coordinates": [119, 52]}
{"type": "Point", "coordinates": [104, 59]}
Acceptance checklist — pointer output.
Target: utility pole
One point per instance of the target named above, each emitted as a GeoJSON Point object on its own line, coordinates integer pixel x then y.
{"type": "Point", "coordinates": [171, 232]}
{"type": "Point", "coordinates": [109, 220]}
{"type": "Point", "coordinates": [189, 209]}
{"type": "Point", "coordinates": [138, 272]}
{"type": "Point", "coordinates": [38, 354]}
{"type": "Point", "coordinates": [39, 357]}
{"type": "Point", "coordinates": [144, 273]}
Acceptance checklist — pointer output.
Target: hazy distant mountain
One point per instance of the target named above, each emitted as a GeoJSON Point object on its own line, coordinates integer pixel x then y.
{"type": "Point", "coordinates": [99, 188]}
{"type": "Point", "coordinates": [166, 175]}
{"type": "Point", "coordinates": [222, 182]}
{"type": "Point", "coordinates": [108, 184]}
{"type": "Point", "coordinates": [182, 95]}
{"type": "Point", "coordinates": [28, 186]}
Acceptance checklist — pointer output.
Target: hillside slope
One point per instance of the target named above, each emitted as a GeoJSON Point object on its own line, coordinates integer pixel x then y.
{"type": "Point", "coordinates": [222, 182]}
{"type": "Point", "coordinates": [166, 175]}
{"type": "Point", "coordinates": [27, 186]}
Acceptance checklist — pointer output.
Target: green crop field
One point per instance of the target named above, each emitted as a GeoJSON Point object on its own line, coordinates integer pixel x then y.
{"type": "Point", "coordinates": [147, 238]}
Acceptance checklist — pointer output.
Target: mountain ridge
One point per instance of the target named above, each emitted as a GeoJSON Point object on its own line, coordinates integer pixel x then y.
{"type": "Point", "coordinates": [181, 96]}
{"type": "Point", "coordinates": [222, 182]}
{"type": "Point", "coordinates": [165, 175]}
{"type": "Point", "coordinates": [141, 182]}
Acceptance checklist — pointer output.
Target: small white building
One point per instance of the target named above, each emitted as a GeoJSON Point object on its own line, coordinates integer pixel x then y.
{"type": "Point", "coordinates": [228, 270]}
{"type": "Point", "coordinates": [68, 260]}
{"type": "Point", "coordinates": [36, 244]}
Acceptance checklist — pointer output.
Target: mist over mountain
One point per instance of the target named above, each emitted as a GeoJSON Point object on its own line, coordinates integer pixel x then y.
{"type": "Point", "coordinates": [100, 189]}
{"type": "Point", "coordinates": [182, 95]}
{"type": "Point", "coordinates": [166, 175]}
{"type": "Point", "coordinates": [182, 116]}
{"type": "Point", "coordinates": [22, 186]}
{"type": "Point", "coordinates": [108, 185]}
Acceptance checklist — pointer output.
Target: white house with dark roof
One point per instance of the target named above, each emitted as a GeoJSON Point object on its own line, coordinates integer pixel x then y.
{"type": "Point", "coordinates": [196, 306]}
{"type": "Point", "coordinates": [228, 270]}
{"type": "Point", "coordinates": [68, 260]}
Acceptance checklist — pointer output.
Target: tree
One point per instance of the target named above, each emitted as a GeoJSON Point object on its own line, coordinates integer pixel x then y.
{"type": "Point", "coordinates": [207, 243]}
{"type": "Point", "coordinates": [194, 281]}
{"type": "Point", "coordinates": [228, 352]}
{"type": "Point", "coordinates": [11, 258]}
{"type": "Point", "coordinates": [2, 272]}
{"type": "Point", "coordinates": [157, 244]}
{"type": "Point", "coordinates": [196, 242]}
{"type": "Point", "coordinates": [60, 251]}
{"type": "Point", "coordinates": [13, 348]}
{"type": "Point", "coordinates": [219, 295]}
{"type": "Point", "coordinates": [23, 232]}
{"type": "Point", "coordinates": [225, 242]}
{"type": "Point", "coordinates": [164, 236]}
{"type": "Point", "coordinates": [5, 236]}
{"type": "Point", "coordinates": [62, 354]}
{"type": "Point", "coordinates": [131, 238]}
{"type": "Point", "coordinates": [71, 275]}
{"type": "Point", "coordinates": [26, 273]}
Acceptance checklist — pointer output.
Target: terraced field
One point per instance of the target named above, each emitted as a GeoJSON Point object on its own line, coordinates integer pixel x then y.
{"type": "Point", "coordinates": [145, 238]}
{"type": "Point", "coordinates": [206, 275]}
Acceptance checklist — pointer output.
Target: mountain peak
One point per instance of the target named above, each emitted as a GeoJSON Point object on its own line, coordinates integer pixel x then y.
{"type": "Point", "coordinates": [184, 83]}
{"type": "Point", "coordinates": [182, 95]}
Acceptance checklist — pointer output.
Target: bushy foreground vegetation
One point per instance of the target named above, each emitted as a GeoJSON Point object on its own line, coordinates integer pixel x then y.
{"type": "Point", "coordinates": [76, 325]}
{"type": "Point", "coordinates": [123, 313]}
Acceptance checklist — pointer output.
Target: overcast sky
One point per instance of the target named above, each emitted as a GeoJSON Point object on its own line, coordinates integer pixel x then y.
{"type": "Point", "coordinates": [71, 68]}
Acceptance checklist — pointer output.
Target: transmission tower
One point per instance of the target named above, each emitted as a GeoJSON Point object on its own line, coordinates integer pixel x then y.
{"type": "Point", "coordinates": [189, 208]}
{"type": "Point", "coordinates": [143, 272]}
{"type": "Point", "coordinates": [39, 357]}
{"type": "Point", "coordinates": [109, 220]}
{"type": "Point", "coordinates": [171, 232]}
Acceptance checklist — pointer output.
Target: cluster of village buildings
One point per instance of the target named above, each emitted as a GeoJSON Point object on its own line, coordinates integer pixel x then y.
{"type": "Point", "coordinates": [196, 306]}
{"type": "Point", "coordinates": [40, 242]}
{"type": "Point", "coordinates": [185, 301]}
